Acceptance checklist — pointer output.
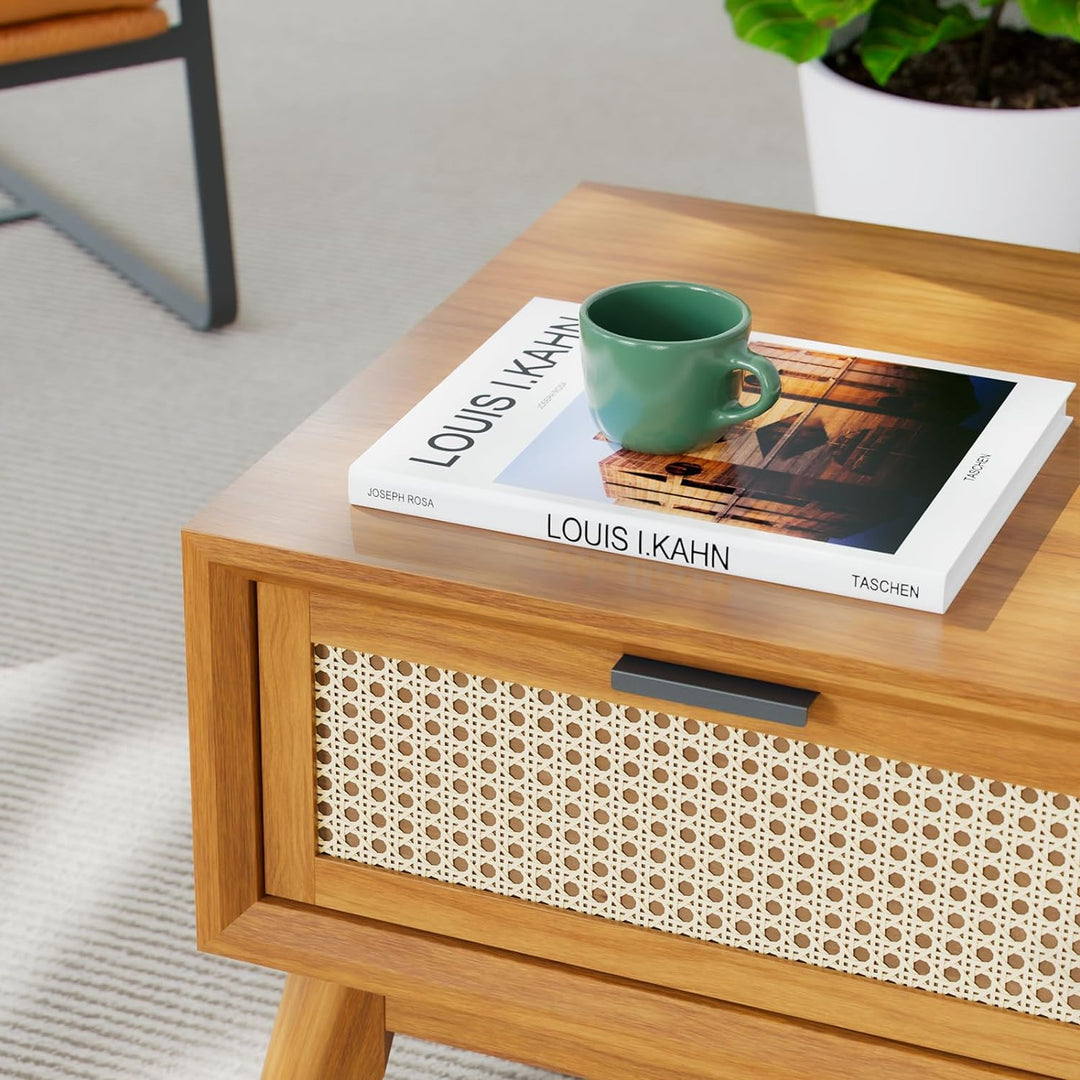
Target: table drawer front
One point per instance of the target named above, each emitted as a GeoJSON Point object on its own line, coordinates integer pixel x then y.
{"type": "Point", "coordinates": [904, 873]}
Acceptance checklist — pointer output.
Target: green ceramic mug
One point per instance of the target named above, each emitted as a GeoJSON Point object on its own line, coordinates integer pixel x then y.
{"type": "Point", "coordinates": [664, 362]}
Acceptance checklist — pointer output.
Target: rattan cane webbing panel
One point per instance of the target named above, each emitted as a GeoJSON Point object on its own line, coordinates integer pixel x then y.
{"type": "Point", "coordinates": [913, 875]}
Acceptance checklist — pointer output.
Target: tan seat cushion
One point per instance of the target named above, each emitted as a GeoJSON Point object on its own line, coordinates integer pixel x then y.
{"type": "Point", "coordinates": [74, 33]}
{"type": "Point", "coordinates": [17, 11]}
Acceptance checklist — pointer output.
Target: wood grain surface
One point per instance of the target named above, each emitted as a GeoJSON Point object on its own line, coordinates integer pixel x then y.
{"type": "Point", "coordinates": [989, 688]}
{"type": "Point", "coordinates": [288, 779]}
{"type": "Point", "coordinates": [566, 1018]}
{"type": "Point", "coordinates": [1005, 649]}
{"type": "Point", "coordinates": [223, 710]}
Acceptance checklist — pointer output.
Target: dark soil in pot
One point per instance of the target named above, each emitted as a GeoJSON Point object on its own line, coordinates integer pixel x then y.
{"type": "Point", "coordinates": [1027, 71]}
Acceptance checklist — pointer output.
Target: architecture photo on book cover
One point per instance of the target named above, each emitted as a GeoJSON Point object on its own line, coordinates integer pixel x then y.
{"type": "Point", "coordinates": [875, 475]}
{"type": "Point", "coordinates": [853, 453]}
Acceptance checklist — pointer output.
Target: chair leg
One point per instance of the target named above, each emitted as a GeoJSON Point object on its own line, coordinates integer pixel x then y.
{"type": "Point", "coordinates": [209, 165]}
{"type": "Point", "coordinates": [16, 212]}
{"type": "Point", "coordinates": [219, 306]}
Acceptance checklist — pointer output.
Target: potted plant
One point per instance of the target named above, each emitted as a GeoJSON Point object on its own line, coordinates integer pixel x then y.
{"type": "Point", "coordinates": [961, 118]}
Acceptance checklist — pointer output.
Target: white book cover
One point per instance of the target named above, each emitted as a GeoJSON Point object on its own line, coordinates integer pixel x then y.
{"type": "Point", "coordinates": [875, 476]}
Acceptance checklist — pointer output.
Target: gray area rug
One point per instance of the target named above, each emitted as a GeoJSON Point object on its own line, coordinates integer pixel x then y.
{"type": "Point", "coordinates": [378, 155]}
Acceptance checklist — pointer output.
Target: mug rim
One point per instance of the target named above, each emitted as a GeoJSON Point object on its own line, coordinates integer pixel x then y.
{"type": "Point", "coordinates": [739, 328]}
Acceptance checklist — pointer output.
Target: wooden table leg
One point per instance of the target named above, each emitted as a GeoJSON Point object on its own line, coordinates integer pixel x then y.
{"type": "Point", "coordinates": [324, 1031]}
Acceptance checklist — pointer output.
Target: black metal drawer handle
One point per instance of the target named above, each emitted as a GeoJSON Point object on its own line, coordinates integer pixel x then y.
{"type": "Point", "coordinates": [713, 690]}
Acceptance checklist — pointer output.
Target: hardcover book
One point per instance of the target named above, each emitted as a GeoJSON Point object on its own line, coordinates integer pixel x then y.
{"type": "Point", "coordinates": [875, 476]}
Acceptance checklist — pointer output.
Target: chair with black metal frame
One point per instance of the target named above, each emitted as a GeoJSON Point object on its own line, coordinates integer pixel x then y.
{"type": "Point", "coordinates": [190, 41]}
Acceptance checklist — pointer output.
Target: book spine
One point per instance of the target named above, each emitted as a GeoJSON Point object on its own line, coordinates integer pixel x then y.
{"type": "Point", "coordinates": [839, 570]}
{"type": "Point", "coordinates": [1006, 503]}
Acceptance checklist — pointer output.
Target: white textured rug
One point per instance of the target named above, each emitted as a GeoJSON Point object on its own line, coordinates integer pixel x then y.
{"type": "Point", "coordinates": [378, 154]}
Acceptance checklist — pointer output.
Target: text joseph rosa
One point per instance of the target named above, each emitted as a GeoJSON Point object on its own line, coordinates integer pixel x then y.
{"type": "Point", "coordinates": [458, 434]}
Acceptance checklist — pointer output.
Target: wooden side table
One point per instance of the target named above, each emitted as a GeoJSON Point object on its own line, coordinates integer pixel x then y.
{"type": "Point", "coordinates": [416, 791]}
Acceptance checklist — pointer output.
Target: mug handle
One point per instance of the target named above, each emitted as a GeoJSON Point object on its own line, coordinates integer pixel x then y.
{"type": "Point", "coordinates": [769, 380]}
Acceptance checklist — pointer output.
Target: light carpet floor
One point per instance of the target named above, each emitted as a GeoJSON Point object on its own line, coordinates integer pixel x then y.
{"type": "Point", "coordinates": [378, 154]}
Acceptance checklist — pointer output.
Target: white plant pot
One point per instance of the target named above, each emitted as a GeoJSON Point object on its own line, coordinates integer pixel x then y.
{"type": "Point", "coordinates": [996, 174]}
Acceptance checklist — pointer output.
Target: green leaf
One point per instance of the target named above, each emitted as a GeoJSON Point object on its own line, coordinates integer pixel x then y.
{"type": "Point", "coordinates": [901, 28]}
{"type": "Point", "coordinates": [832, 13]}
{"type": "Point", "coordinates": [1055, 18]}
{"type": "Point", "coordinates": [778, 25]}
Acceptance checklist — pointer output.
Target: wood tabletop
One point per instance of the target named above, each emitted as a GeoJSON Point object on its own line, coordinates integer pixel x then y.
{"type": "Point", "coordinates": [1007, 647]}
